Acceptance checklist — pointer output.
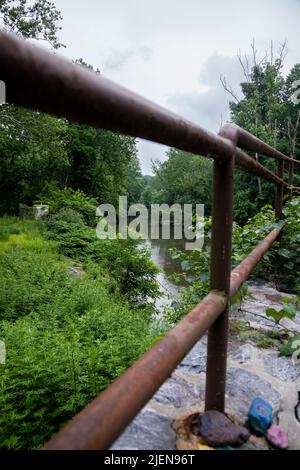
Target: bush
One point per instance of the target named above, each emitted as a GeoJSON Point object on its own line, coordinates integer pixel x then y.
{"type": "Point", "coordinates": [67, 337]}
{"type": "Point", "coordinates": [56, 364]}
{"type": "Point", "coordinates": [128, 264]}
{"type": "Point", "coordinates": [78, 201]}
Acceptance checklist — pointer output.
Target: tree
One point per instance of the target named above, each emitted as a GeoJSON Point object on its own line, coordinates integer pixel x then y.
{"type": "Point", "coordinates": [37, 20]}
{"type": "Point", "coordinates": [266, 111]}
{"type": "Point", "coordinates": [99, 162]}
{"type": "Point", "coordinates": [33, 154]}
{"type": "Point", "coordinates": [136, 183]}
{"type": "Point", "coordinates": [183, 178]}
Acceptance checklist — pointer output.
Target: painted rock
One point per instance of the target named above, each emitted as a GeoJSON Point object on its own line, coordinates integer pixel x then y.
{"type": "Point", "coordinates": [278, 437]}
{"type": "Point", "coordinates": [218, 430]}
{"type": "Point", "coordinates": [225, 448]}
{"type": "Point", "coordinates": [260, 415]}
{"type": "Point", "coordinates": [204, 447]}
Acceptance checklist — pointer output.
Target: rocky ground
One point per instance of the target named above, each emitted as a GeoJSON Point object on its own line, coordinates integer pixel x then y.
{"type": "Point", "coordinates": [252, 372]}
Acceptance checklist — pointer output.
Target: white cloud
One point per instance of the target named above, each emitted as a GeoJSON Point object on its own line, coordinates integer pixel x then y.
{"type": "Point", "coordinates": [173, 51]}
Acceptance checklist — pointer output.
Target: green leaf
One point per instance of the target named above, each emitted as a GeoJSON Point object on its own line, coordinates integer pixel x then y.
{"type": "Point", "coordinates": [289, 311]}
{"type": "Point", "coordinates": [284, 252]}
{"type": "Point", "coordinates": [185, 265]}
{"type": "Point", "coordinates": [276, 315]}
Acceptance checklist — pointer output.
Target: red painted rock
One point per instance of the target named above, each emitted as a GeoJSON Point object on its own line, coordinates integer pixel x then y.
{"type": "Point", "coordinates": [218, 430]}
{"type": "Point", "coordinates": [278, 437]}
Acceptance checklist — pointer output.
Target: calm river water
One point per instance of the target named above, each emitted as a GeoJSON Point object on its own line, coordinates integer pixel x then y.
{"type": "Point", "coordinates": [161, 256]}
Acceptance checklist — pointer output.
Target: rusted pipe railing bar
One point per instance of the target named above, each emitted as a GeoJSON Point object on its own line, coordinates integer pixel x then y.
{"type": "Point", "coordinates": [102, 421]}
{"type": "Point", "coordinates": [247, 163]}
{"type": "Point", "coordinates": [38, 79]}
{"type": "Point", "coordinates": [243, 270]}
{"type": "Point", "coordinates": [250, 142]}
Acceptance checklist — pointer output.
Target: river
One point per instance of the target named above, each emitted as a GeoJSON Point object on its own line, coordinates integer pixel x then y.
{"type": "Point", "coordinates": [161, 256]}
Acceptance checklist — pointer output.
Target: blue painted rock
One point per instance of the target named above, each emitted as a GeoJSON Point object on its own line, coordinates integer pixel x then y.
{"type": "Point", "coordinates": [218, 431]}
{"type": "Point", "coordinates": [278, 437]}
{"type": "Point", "coordinates": [260, 415]}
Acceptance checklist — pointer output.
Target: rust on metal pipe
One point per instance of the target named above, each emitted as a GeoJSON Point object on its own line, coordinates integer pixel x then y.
{"type": "Point", "coordinates": [101, 422]}
{"type": "Point", "coordinates": [221, 244]}
{"type": "Point", "coordinates": [255, 168]}
{"type": "Point", "coordinates": [38, 79]}
{"type": "Point", "coordinates": [243, 270]}
{"type": "Point", "coordinates": [250, 142]}
{"type": "Point", "coordinates": [279, 190]}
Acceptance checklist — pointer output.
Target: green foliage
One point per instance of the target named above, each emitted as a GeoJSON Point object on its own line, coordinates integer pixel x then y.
{"type": "Point", "coordinates": [183, 178]}
{"type": "Point", "coordinates": [36, 19]}
{"type": "Point", "coordinates": [266, 111]}
{"type": "Point", "coordinates": [239, 296]}
{"type": "Point", "coordinates": [68, 198]}
{"type": "Point", "coordinates": [136, 183]}
{"type": "Point", "coordinates": [288, 311]}
{"type": "Point", "coordinates": [67, 337]}
{"type": "Point", "coordinates": [280, 262]}
{"type": "Point", "coordinates": [249, 335]}
{"type": "Point", "coordinates": [266, 343]}
{"type": "Point", "coordinates": [290, 346]}
{"type": "Point", "coordinates": [100, 162]}
{"type": "Point", "coordinates": [128, 264]}
{"type": "Point", "coordinates": [287, 257]}
{"type": "Point", "coordinates": [33, 154]}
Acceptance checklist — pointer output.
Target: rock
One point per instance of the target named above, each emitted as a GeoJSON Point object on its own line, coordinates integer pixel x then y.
{"type": "Point", "coordinates": [260, 415]}
{"type": "Point", "coordinates": [297, 318]}
{"type": "Point", "coordinates": [179, 393]}
{"type": "Point", "coordinates": [218, 430]}
{"type": "Point", "coordinates": [195, 361]}
{"type": "Point", "coordinates": [278, 437]}
{"type": "Point", "coordinates": [204, 447]}
{"type": "Point", "coordinates": [243, 354]}
{"type": "Point", "coordinates": [243, 386]}
{"type": "Point", "coordinates": [74, 271]}
{"type": "Point", "coordinates": [225, 448]}
{"type": "Point", "coordinates": [148, 431]}
{"type": "Point", "coordinates": [40, 210]}
{"type": "Point", "coordinates": [281, 367]}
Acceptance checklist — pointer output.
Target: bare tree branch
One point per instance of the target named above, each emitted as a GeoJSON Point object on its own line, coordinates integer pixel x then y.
{"type": "Point", "coordinates": [228, 88]}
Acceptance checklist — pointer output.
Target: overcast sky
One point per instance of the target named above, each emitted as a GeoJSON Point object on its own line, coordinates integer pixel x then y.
{"type": "Point", "coordinates": [174, 51]}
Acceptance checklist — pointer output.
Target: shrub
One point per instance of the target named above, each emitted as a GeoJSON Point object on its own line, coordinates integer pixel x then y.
{"type": "Point", "coordinates": [68, 198]}
{"type": "Point", "coordinates": [67, 337]}
{"type": "Point", "coordinates": [128, 264]}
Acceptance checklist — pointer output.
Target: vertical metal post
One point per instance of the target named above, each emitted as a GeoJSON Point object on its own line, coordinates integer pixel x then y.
{"type": "Point", "coordinates": [279, 190]}
{"type": "Point", "coordinates": [220, 279]}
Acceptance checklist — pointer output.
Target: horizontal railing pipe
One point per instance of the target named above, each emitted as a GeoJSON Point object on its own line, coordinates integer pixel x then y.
{"type": "Point", "coordinates": [250, 165]}
{"type": "Point", "coordinates": [101, 422]}
{"type": "Point", "coordinates": [38, 79]}
{"type": "Point", "coordinates": [243, 270]}
{"type": "Point", "coordinates": [250, 142]}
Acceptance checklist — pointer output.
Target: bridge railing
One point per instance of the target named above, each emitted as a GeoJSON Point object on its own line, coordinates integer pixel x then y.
{"type": "Point", "coordinates": [42, 81]}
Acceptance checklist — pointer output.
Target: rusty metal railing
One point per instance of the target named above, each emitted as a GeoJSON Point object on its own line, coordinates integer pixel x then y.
{"type": "Point", "coordinates": [43, 81]}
